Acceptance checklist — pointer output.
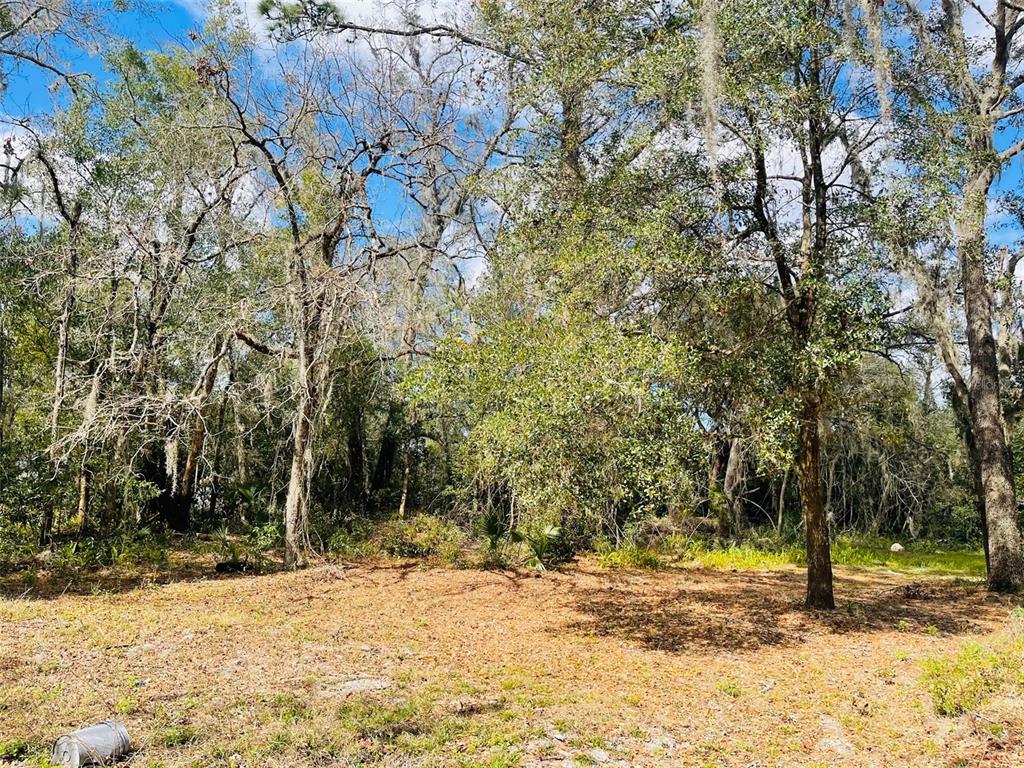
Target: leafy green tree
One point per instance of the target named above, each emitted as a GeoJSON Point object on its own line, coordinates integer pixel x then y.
{"type": "Point", "coordinates": [960, 128]}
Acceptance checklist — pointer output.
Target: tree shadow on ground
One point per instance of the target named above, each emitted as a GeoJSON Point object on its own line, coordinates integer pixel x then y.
{"type": "Point", "coordinates": [34, 582]}
{"type": "Point", "coordinates": [747, 611]}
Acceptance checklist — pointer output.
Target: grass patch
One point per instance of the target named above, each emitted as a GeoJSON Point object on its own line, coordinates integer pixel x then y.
{"type": "Point", "coordinates": [629, 556]}
{"type": "Point", "coordinates": [430, 723]}
{"type": "Point", "coordinates": [730, 689]}
{"type": "Point", "coordinates": [770, 552]}
{"type": "Point", "coordinates": [289, 708]}
{"type": "Point", "coordinates": [740, 556]}
{"type": "Point", "coordinates": [177, 736]}
{"type": "Point", "coordinates": [964, 681]}
{"type": "Point", "coordinates": [380, 721]}
{"type": "Point", "coordinates": [919, 557]}
{"type": "Point", "coordinates": [13, 749]}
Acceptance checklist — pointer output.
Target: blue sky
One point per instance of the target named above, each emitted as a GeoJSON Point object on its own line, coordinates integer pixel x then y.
{"type": "Point", "coordinates": [155, 24]}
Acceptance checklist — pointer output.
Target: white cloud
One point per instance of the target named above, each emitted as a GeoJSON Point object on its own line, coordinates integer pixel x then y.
{"type": "Point", "coordinates": [362, 11]}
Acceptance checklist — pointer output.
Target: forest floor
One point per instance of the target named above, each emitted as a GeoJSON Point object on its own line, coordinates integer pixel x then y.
{"type": "Point", "coordinates": [398, 664]}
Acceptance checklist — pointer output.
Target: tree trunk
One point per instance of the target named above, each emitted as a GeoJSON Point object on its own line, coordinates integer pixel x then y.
{"type": "Point", "coordinates": [718, 505]}
{"type": "Point", "coordinates": [979, 487]}
{"type": "Point", "coordinates": [63, 346]}
{"type": "Point", "coordinates": [405, 485]}
{"type": "Point", "coordinates": [1005, 551]}
{"type": "Point", "coordinates": [296, 503]}
{"type": "Point", "coordinates": [382, 469]}
{"type": "Point", "coordinates": [808, 467]}
{"type": "Point", "coordinates": [782, 500]}
{"type": "Point", "coordinates": [185, 491]}
{"type": "Point", "coordinates": [82, 517]}
{"type": "Point", "coordinates": [46, 527]}
{"type": "Point", "coordinates": [735, 485]}
{"type": "Point", "coordinates": [356, 489]}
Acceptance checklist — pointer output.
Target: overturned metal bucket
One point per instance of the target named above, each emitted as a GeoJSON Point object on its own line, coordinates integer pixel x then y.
{"type": "Point", "coordinates": [99, 744]}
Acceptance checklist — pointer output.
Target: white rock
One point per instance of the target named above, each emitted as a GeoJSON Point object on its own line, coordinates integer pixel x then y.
{"type": "Point", "coordinates": [360, 685]}
{"type": "Point", "coordinates": [834, 737]}
{"type": "Point", "coordinates": [896, 547]}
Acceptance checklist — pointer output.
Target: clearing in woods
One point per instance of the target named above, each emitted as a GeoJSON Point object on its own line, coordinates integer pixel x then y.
{"type": "Point", "coordinates": [398, 664]}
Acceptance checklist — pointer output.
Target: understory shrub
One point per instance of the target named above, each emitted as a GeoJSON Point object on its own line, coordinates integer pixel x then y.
{"type": "Point", "coordinates": [629, 554]}
{"type": "Point", "coordinates": [126, 549]}
{"type": "Point", "coordinates": [17, 540]}
{"type": "Point", "coordinates": [352, 543]}
{"type": "Point", "coordinates": [543, 545]}
{"type": "Point", "coordinates": [422, 536]}
{"type": "Point", "coordinates": [248, 551]}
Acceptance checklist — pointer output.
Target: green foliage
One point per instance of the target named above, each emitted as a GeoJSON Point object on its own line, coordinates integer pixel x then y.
{"type": "Point", "coordinates": [422, 536]}
{"type": "Point", "coordinates": [628, 555]}
{"type": "Point", "coordinates": [125, 549]}
{"type": "Point", "coordinates": [567, 443]}
{"type": "Point", "coordinates": [495, 528]}
{"type": "Point", "coordinates": [292, 18]}
{"type": "Point", "coordinates": [177, 736]}
{"type": "Point", "coordinates": [629, 312]}
{"type": "Point", "coordinates": [265, 537]}
{"type": "Point", "coordinates": [13, 749]}
{"type": "Point", "coordinates": [17, 540]}
{"type": "Point", "coordinates": [542, 543]}
{"type": "Point", "coordinates": [963, 682]}
{"type": "Point", "coordinates": [351, 544]}
{"type": "Point", "coordinates": [370, 719]}
{"type": "Point", "coordinates": [248, 552]}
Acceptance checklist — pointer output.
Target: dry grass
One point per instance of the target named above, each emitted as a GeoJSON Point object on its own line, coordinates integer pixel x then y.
{"type": "Point", "coordinates": [396, 664]}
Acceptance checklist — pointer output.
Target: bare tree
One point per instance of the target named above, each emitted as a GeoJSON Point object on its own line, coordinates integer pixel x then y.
{"type": "Point", "coordinates": [358, 133]}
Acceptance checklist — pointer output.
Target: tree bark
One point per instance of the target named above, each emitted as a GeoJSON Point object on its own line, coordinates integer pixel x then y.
{"type": "Point", "coordinates": [386, 453]}
{"type": "Point", "coordinates": [962, 409]}
{"type": "Point", "coordinates": [1005, 550]}
{"type": "Point", "coordinates": [46, 527]}
{"type": "Point", "coordinates": [782, 500]}
{"type": "Point", "coordinates": [808, 467]}
{"type": "Point", "coordinates": [84, 488]}
{"type": "Point", "coordinates": [735, 485]}
{"type": "Point", "coordinates": [405, 484]}
{"type": "Point", "coordinates": [296, 503]}
{"type": "Point", "coordinates": [356, 487]}
{"type": "Point", "coordinates": [184, 494]}
{"type": "Point", "coordinates": [187, 485]}
{"type": "Point", "coordinates": [718, 505]}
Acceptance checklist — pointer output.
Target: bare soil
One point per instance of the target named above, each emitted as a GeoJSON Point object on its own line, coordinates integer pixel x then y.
{"type": "Point", "coordinates": [399, 664]}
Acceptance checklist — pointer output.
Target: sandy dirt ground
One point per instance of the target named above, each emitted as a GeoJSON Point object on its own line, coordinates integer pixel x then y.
{"type": "Point", "coordinates": [399, 664]}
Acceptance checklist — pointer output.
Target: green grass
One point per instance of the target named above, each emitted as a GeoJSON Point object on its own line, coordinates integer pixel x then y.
{"type": "Point", "coordinates": [423, 726]}
{"type": "Point", "coordinates": [379, 721]}
{"type": "Point", "coordinates": [963, 682]}
{"type": "Point", "coordinates": [730, 688]}
{"type": "Point", "coordinates": [916, 558]}
{"type": "Point", "coordinates": [741, 556]}
{"type": "Point", "coordinates": [177, 736]}
{"type": "Point", "coordinates": [13, 749]}
{"type": "Point", "coordinates": [629, 556]}
{"type": "Point", "coordinates": [859, 552]}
